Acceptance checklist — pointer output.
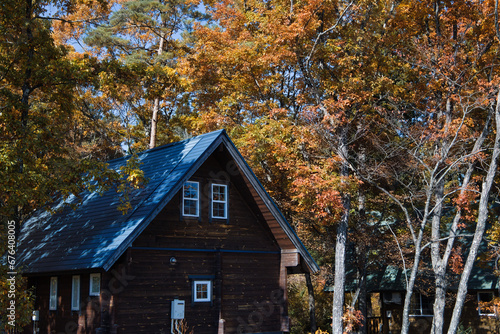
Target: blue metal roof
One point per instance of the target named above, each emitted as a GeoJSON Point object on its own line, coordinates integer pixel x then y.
{"type": "Point", "coordinates": [96, 234]}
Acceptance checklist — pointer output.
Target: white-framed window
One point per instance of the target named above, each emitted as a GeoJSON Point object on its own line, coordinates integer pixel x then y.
{"type": "Point", "coordinates": [421, 305]}
{"type": "Point", "coordinates": [202, 291]}
{"type": "Point", "coordinates": [483, 299]}
{"type": "Point", "coordinates": [191, 199]}
{"type": "Point", "coordinates": [95, 284]}
{"type": "Point", "coordinates": [75, 293]}
{"type": "Point", "coordinates": [53, 294]}
{"type": "Point", "coordinates": [219, 201]}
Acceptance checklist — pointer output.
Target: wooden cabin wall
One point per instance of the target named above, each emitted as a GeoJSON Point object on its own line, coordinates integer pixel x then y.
{"type": "Point", "coordinates": [245, 227]}
{"type": "Point", "coordinates": [63, 319]}
{"type": "Point", "coordinates": [239, 255]}
{"type": "Point", "coordinates": [245, 290]}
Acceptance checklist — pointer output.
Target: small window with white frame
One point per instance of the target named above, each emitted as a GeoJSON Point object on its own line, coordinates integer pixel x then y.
{"type": "Point", "coordinates": [202, 291]}
{"type": "Point", "coordinates": [53, 294]}
{"type": "Point", "coordinates": [219, 201]}
{"type": "Point", "coordinates": [95, 284]}
{"type": "Point", "coordinates": [191, 199]}
{"type": "Point", "coordinates": [485, 306]}
{"type": "Point", "coordinates": [421, 305]}
{"type": "Point", "coordinates": [75, 293]}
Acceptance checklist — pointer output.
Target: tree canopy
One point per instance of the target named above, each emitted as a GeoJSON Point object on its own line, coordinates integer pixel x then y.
{"type": "Point", "coordinates": [361, 118]}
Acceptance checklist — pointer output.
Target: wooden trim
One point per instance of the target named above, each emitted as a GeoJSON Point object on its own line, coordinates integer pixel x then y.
{"type": "Point", "coordinates": [206, 250]}
{"type": "Point", "coordinates": [284, 319]}
{"type": "Point", "coordinates": [290, 259]}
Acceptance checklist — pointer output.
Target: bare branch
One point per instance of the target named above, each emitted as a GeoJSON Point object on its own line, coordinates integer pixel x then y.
{"type": "Point", "coordinates": [400, 253]}
{"type": "Point", "coordinates": [321, 34]}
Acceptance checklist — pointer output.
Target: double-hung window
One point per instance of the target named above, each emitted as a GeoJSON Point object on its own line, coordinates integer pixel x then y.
{"type": "Point", "coordinates": [75, 293]}
{"type": "Point", "coordinates": [53, 294]}
{"type": "Point", "coordinates": [191, 199]}
{"type": "Point", "coordinates": [219, 201]}
{"type": "Point", "coordinates": [421, 305]}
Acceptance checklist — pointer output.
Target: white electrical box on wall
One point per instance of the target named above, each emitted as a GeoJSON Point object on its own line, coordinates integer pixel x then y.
{"type": "Point", "coordinates": [177, 309]}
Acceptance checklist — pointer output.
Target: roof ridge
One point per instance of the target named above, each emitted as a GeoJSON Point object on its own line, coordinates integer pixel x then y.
{"type": "Point", "coordinates": [161, 147]}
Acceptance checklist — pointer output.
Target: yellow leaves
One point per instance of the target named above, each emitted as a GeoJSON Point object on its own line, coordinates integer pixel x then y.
{"type": "Point", "coordinates": [319, 331]}
{"type": "Point", "coordinates": [24, 298]}
{"type": "Point", "coordinates": [132, 179]}
{"type": "Point", "coordinates": [136, 179]}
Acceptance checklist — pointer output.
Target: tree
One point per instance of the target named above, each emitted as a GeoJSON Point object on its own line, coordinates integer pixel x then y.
{"type": "Point", "coordinates": [141, 41]}
{"type": "Point", "coordinates": [319, 64]}
{"type": "Point", "coordinates": [392, 94]}
{"type": "Point", "coordinates": [450, 139]}
{"type": "Point", "coordinates": [47, 143]}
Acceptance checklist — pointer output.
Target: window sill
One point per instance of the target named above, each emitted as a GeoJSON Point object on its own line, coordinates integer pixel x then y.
{"type": "Point", "coordinates": [422, 316]}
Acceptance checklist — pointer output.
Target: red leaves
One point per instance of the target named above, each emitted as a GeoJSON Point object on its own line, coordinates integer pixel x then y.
{"type": "Point", "coordinates": [456, 263]}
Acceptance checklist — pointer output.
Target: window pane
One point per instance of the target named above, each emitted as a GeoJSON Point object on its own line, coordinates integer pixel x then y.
{"type": "Point", "coordinates": [219, 201]}
{"type": "Point", "coordinates": [202, 291]}
{"type": "Point", "coordinates": [421, 304]}
{"type": "Point", "coordinates": [75, 294]}
{"type": "Point", "coordinates": [191, 190]}
{"type": "Point", "coordinates": [219, 193]}
{"type": "Point", "coordinates": [190, 207]}
{"type": "Point", "coordinates": [485, 305]}
{"type": "Point", "coordinates": [485, 297]}
{"type": "Point", "coordinates": [95, 284]}
{"type": "Point", "coordinates": [427, 302]}
{"type": "Point", "coordinates": [219, 209]}
{"type": "Point", "coordinates": [53, 294]}
{"type": "Point", "coordinates": [190, 199]}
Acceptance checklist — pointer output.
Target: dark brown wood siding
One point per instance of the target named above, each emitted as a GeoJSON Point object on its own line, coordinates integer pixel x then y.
{"type": "Point", "coordinates": [245, 290]}
{"type": "Point", "coordinates": [239, 255]}
{"type": "Point", "coordinates": [63, 319]}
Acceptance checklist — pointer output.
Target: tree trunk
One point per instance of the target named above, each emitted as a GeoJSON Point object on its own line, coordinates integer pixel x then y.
{"type": "Point", "coordinates": [439, 302]}
{"type": "Point", "coordinates": [362, 251]}
{"type": "Point", "coordinates": [312, 304]}
{"type": "Point", "coordinates": [363, 295]}
{"type": "Point", "coordinates": [340, 246]}
{"type": "Point", "coordinates": [156, 105]}
{"type": "Point", "coordinates": [480, 226]}
{"type": "Point", "coordinates": [438, 266]}
{"type": "Point", "coordinates": [339, 282]}
{"type": "Point", "coordinates": [405, 326]}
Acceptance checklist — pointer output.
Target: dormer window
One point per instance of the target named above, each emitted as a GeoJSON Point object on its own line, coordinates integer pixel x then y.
{"type": "Point", "coordinates": [191, 199]}
{"type": "Point", "coordinates": [219, 201]}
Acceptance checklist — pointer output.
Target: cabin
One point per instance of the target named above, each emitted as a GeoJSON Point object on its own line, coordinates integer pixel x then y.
{"type": "Point", "coordinates": [202, 249]}
{"type": "Point", "coordinates": [386, 289]}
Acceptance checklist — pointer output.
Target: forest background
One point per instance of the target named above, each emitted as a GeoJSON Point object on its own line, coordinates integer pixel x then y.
{"type": "Point", "coordinates": [372, 124]}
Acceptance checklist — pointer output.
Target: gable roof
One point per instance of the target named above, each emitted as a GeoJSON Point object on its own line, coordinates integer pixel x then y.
{"type": "Point", "coordinates": [96, 234]}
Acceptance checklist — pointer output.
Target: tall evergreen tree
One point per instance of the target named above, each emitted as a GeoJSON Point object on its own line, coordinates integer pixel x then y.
{"type": "Point", "coordinates": [144, 39]}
